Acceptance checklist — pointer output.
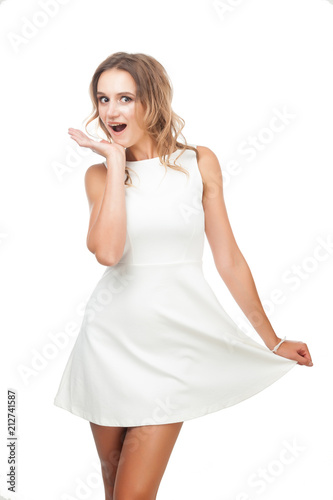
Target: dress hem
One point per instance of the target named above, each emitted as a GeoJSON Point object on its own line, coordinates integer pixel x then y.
{"type": "Point", "coordinates": [186, 415]}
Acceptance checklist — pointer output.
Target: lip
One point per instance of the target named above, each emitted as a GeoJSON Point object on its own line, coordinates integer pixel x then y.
{"type": "Point", "coordinates": [117, 133]}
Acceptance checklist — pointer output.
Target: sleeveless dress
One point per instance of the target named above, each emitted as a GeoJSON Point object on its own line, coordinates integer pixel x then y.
{"type": "Point", "coordinates": [155, 345]}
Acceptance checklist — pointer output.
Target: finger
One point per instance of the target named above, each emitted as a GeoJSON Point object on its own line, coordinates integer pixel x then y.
{"type": "Point", "coordinates": [304, 359]}
{"type": "Point", "coordinates": [77, 133]}
{"type": "Point", "coordinates": [304, 351]}
{"type": "Point", "coordinates": [73, 131]}
{"type": "Point", "coordinates": [80, 138]}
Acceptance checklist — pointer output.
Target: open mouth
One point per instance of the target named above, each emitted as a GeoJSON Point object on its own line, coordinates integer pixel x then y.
{"type": "Point", "coordinates": [118, 128]}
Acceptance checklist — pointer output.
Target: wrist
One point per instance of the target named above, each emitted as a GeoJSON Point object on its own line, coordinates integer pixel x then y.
{"type": "Point", "coordinates": [115, 164]}
{"type": "Point", "coordinates": [275, 348]}
{"type": "Point", "coordinates": [271, 343]}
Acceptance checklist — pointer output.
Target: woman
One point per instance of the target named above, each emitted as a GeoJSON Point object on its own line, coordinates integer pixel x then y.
{"type": "Point", "coordinates": [156, 347]}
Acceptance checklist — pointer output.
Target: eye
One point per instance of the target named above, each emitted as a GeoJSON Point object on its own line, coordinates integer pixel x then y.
{"type": "Point", "coordinates": [124, 96]}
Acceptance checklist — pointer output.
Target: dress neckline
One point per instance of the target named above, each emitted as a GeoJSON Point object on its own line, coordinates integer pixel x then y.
{"type": "Point", "coordinates": [147, 160]}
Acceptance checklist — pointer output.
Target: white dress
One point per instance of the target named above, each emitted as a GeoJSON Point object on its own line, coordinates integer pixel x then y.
{"type": "Point", "coordinates": [155, 345]}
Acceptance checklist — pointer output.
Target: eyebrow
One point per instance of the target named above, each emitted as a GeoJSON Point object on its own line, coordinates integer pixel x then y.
{"type": "Point", "coordinates": [119, 93]}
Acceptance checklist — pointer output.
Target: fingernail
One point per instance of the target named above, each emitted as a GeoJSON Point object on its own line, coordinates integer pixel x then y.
{"type": "Point", "coordinates": [310, 364]}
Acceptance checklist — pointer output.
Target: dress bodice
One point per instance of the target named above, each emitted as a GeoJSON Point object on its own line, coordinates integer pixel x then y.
{"type": "Point", "coordinates": [165, 217]}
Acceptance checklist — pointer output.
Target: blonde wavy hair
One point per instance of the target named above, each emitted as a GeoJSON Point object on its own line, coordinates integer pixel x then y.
{"type": "Point", "coordinates": [155, 92]}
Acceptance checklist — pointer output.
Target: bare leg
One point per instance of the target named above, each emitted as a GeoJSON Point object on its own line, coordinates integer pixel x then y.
{"type": "Point", "coordinates": [144, 456]}
{"type": "Point", "coordinates": [109, 441]}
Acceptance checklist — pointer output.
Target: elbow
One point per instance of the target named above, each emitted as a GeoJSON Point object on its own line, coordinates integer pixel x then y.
{"type": "Point", "coordinates": [105, 256]}
{"type": "Point", "coordinates": [105, 260]}
{"type": "Point", "coordinates": [229, 265]}
{"type": "Point", "coordinates": [101, 257]}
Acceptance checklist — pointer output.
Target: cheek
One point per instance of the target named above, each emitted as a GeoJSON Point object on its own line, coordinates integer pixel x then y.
{"type": "Point", "coordinates": [130, 113]}
{"type": "Point", "coordinates": [137, 120]}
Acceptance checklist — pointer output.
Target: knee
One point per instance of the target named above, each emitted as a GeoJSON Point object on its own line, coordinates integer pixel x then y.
{"type": "Point", "coordinates": [133, 492]}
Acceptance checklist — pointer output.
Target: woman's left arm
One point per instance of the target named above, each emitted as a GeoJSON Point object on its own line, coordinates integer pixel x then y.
{"type": "Point", "coordinates": [231, 263]}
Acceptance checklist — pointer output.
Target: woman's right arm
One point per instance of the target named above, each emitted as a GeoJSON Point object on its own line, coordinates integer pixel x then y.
{"type": "Point", "coordinates": [107, 225]}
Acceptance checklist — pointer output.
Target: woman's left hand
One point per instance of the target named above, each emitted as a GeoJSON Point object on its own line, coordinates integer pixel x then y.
{"type": "Point", "coordinates": [295, 350]}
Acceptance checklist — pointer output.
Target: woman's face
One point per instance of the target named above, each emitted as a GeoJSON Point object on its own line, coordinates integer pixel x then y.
{"type": "Point", "coordinates": [116, 95]}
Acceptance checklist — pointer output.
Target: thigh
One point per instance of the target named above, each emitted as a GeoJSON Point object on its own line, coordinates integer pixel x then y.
{"type": "Point", "coordinates": [143, 460]}
{"type": "Point", "coordinates": [109, 441]}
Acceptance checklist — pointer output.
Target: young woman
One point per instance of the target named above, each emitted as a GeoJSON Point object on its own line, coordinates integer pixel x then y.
{"type": "Point", "coordinates": [156, 347]}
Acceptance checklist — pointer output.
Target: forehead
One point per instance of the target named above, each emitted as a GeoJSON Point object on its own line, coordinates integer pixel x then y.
{"type": "Point", "coordinates": [116, 80]}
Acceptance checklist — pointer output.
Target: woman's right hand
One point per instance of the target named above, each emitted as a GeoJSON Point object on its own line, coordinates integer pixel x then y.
{"type": "Point", "coordinates": [103, 148]}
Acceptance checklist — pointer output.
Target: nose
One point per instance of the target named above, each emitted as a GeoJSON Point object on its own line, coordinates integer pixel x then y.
{"type": "Point", "coordinates": [112, 110]}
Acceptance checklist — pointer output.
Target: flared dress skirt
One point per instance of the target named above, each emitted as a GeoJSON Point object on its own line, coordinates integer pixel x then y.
{"type": "Point", "coordinates": [155, 345]}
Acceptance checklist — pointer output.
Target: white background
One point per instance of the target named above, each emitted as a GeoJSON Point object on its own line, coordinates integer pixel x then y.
{"type": "Point", "coordinates": [233, 67]}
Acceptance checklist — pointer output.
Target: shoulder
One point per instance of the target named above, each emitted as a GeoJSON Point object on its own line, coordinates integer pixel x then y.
{"type": "Point", "coordinates": [95, 169]}
{"type": "Point", "coordinates": [206, 156]}
{"type": "Point", "coordinates": [209, 166]}
{"type": "Point", "coordinates": [204, 151]}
